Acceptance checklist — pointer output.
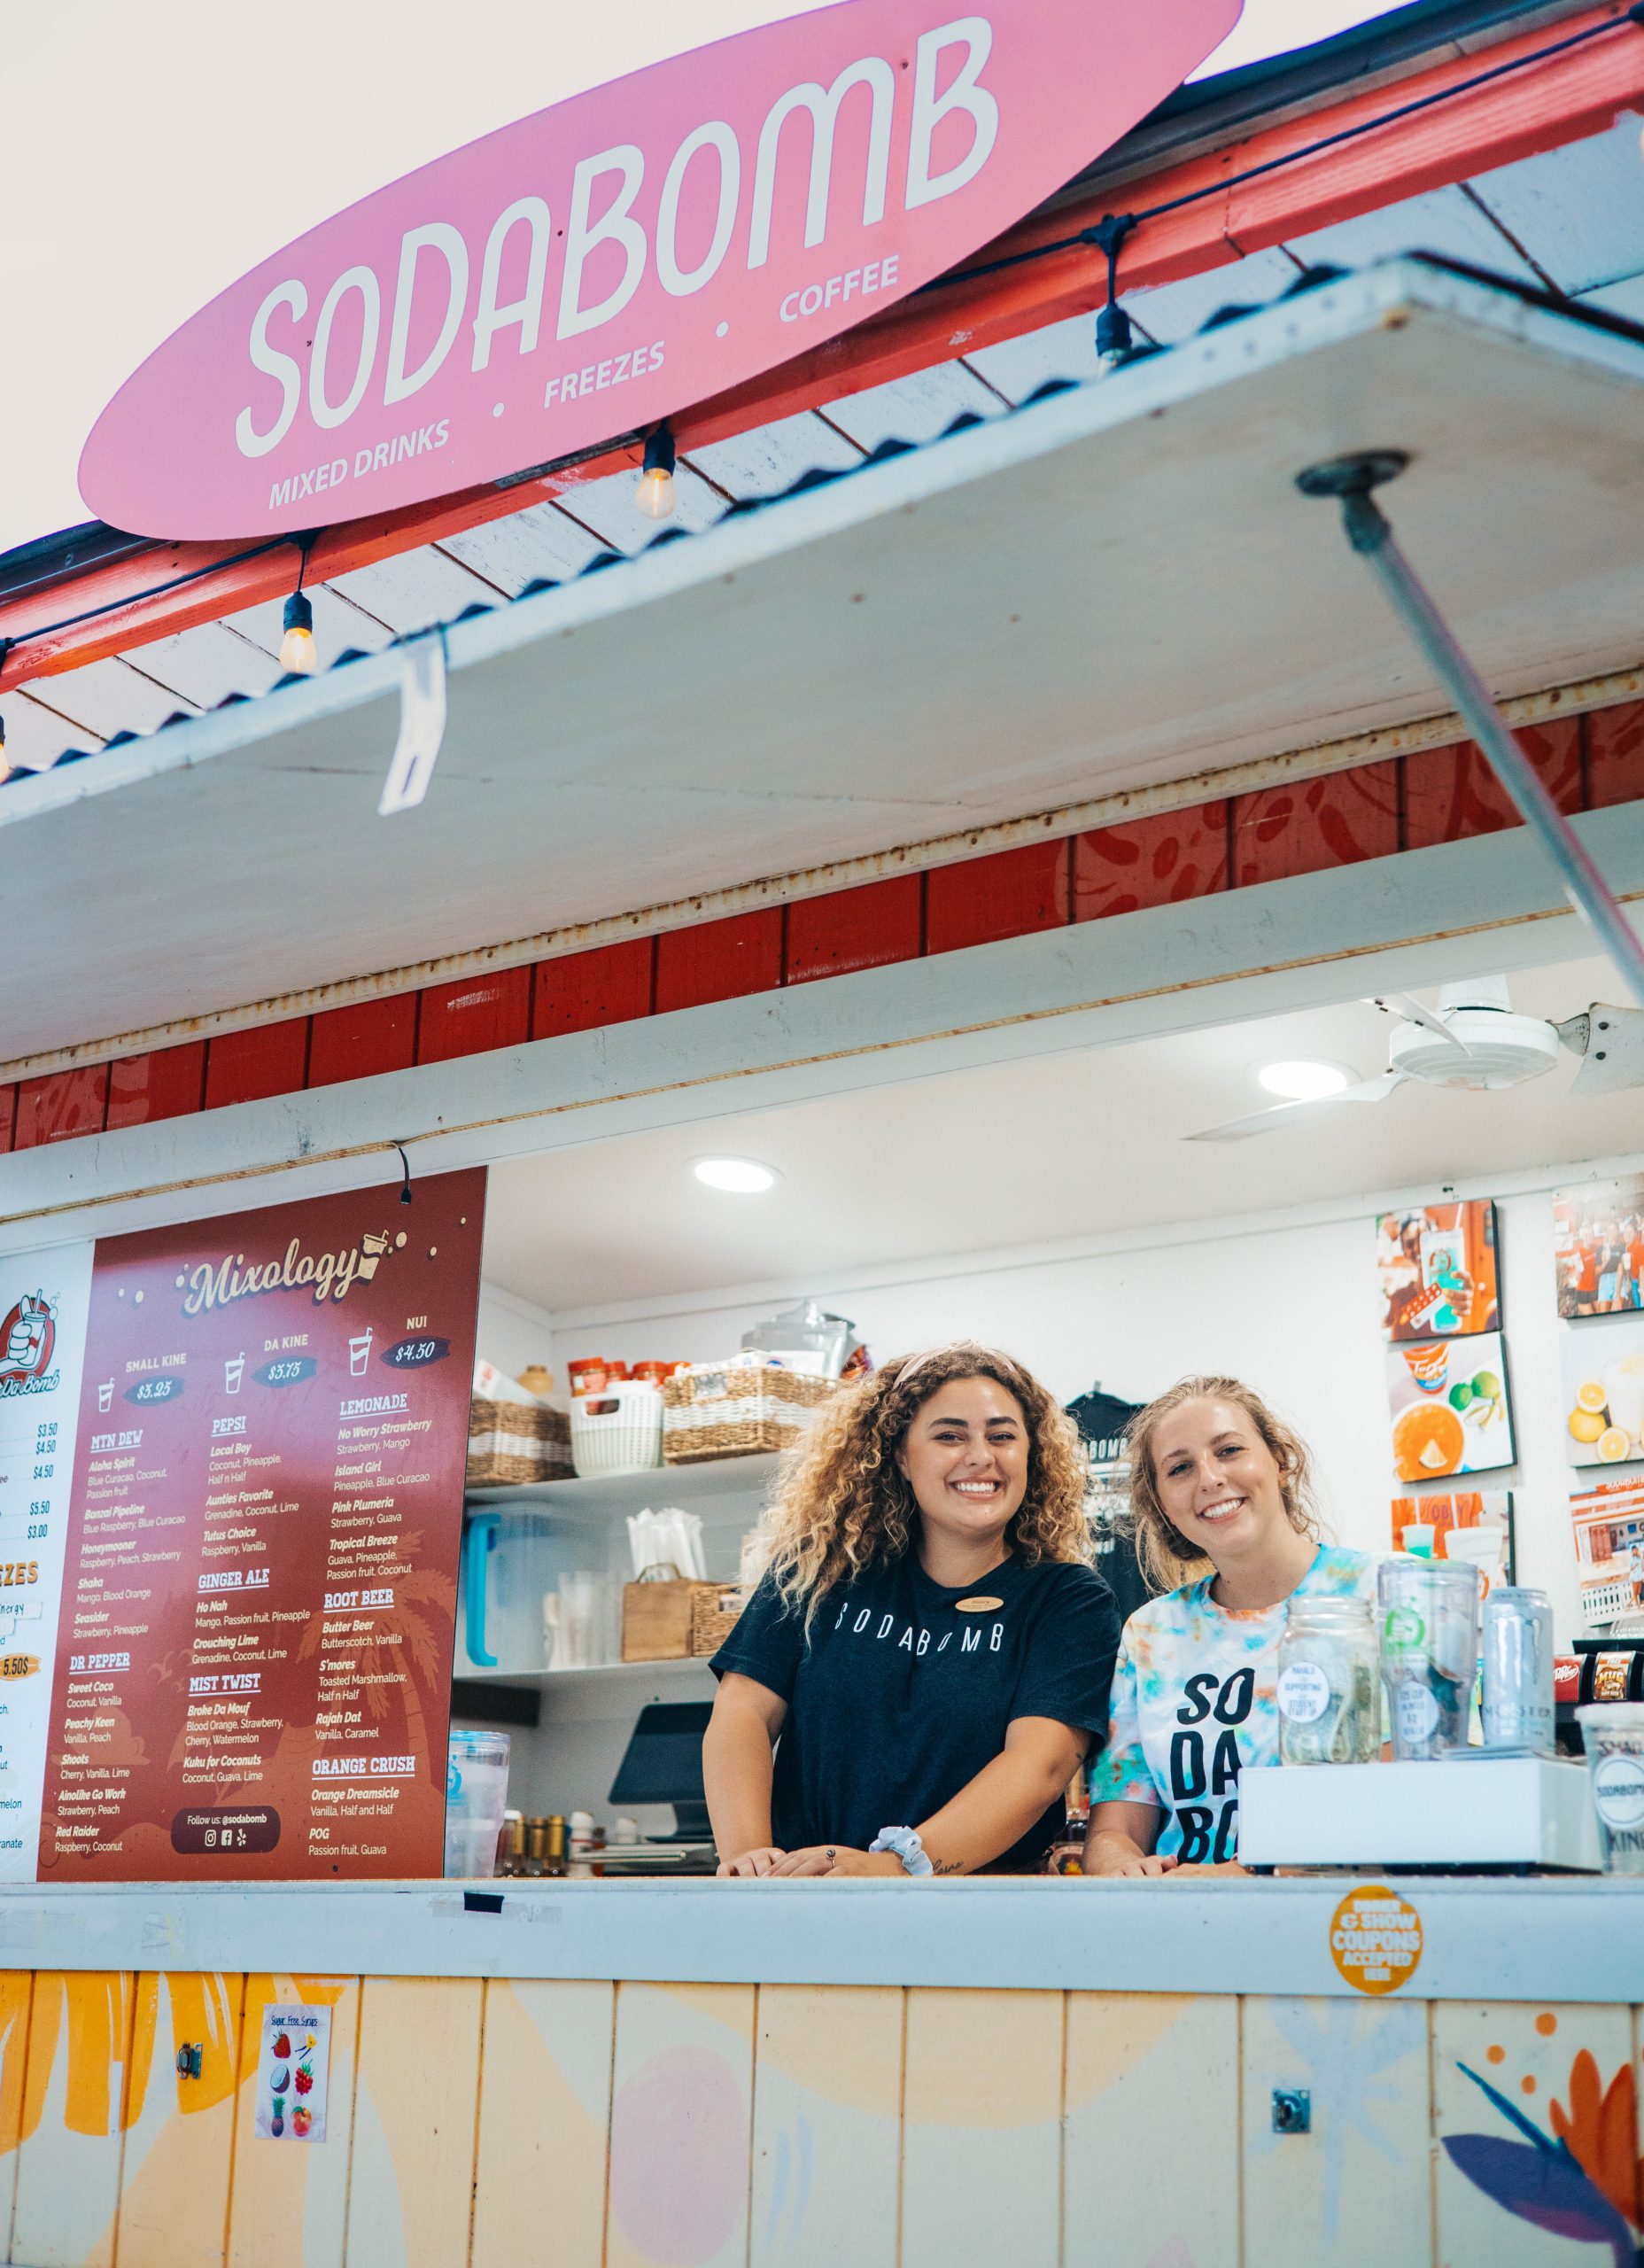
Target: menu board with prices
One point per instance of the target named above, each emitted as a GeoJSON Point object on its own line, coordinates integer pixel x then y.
{"type": "Point", "coordinates": [42, 1333]}
{"type": "Point", "coordinates": [253, 1666]}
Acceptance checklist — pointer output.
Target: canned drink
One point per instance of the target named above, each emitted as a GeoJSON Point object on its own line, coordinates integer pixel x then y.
{"type": "Point", "coordinates": [1518, 1669]}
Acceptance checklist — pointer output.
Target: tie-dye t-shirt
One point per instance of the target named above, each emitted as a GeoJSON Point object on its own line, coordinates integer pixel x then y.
{"type": "Point", "coordinates": [1195, 1703]}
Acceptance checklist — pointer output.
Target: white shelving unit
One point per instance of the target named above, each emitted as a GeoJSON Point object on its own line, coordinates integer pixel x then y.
{"type": "Point", "coordinates": [743, 1478]}
{"type": "Point", "coordinates": [613, 1678]}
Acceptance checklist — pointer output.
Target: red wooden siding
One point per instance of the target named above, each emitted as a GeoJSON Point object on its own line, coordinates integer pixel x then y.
{"type": "Point", "coordinates": [854, 929]}
{"type": "Point", "coordinates": [1451, 793]}
{"type": "Point", "coordinates": [719, 961]}
{"type": "Point", "coordinates": [1159, 861]}
{"type": "Point", "coordinates": [613, 985]}
{"type": "Point", "coordinates": [1616, 755]}
{"type": "Point", "coordinates": [61, 1105]}
{"type": "Point", "coordinates": [475, 1014]}
{"type": "Point", "coordinates": [168, 1083]}
{"type": "Point", "coordinates": [8, 1114]}
{"type": "Point", "coordinates": [1007, 893]}
{"type": "Point", "coordinates": [251, 1066]}
{"type": "Point", "coordinates": [362, 1041]}
{"type": "Point", "coordinates": [1335, 821]}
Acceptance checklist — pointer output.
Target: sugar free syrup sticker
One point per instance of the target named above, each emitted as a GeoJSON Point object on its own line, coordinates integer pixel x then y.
{"type": "Point", "coordinates": [1618, 1791]}
{"type": "Point", "coordinates": [1303, 1692]}
{"type": "Point", "coordinates": [1375, 1939]}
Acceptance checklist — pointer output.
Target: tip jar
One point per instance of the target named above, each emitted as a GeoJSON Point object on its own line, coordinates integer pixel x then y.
{"type": "Point", "coordinates": [1430, 1652]}
{"type": "Point", "coordinates": [1330, 1709]}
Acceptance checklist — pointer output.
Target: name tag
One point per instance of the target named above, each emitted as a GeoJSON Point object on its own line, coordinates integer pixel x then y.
{"type": "Point", "coordinates": [976, 1605]}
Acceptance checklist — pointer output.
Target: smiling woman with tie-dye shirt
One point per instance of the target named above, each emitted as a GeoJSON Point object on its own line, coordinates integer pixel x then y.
{"type": "Point", "coordinates": [1221, 1491]}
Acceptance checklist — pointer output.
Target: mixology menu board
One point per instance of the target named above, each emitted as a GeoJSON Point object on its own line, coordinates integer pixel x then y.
{"type": "Point", "coordinates": [253, 1659]}
{"type": "Point", "coordinates": [42, 1333]}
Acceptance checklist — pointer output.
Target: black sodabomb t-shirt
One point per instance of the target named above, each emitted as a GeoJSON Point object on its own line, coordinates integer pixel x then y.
{"type": "Point", "coordinates": [899, 1697]}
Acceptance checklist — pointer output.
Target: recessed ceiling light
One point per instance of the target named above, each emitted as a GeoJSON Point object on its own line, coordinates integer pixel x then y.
{"type": "Point", "coordinates": [1300, 1081]}
{"type": "Point", "coordinates": [742, 1176]}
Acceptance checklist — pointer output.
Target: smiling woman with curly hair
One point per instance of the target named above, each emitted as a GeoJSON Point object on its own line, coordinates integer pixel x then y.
{"type": "Point", "coordinates": [929, 1651]}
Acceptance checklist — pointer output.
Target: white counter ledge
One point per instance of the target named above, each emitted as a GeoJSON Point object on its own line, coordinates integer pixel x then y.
{"type": "Point", "coordinates": [1562, 1938]}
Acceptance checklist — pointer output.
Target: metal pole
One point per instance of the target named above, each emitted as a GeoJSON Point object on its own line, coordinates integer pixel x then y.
{"type": "Point", "coordinates": [1351, 479]}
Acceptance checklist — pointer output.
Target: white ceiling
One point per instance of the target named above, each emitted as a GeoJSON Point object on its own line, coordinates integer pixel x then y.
{"type": "Point", "coordinates": [1059, 1146]}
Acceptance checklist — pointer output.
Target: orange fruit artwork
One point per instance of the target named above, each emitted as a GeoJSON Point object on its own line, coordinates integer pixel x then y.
{"type": "Point", "coordinates": [1426, 1441]}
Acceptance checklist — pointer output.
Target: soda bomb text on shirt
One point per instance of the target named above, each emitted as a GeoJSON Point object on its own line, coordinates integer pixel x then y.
{"type": "Point", "coordinates": [919, 1642]}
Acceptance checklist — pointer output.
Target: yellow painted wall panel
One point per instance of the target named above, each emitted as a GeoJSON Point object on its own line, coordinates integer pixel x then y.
{"type": "Point", "coordinates": [543, 2114]}
{"type": "Point", "coordinates": [1510, 2081]}
{"type": "Point", "coordinates": [73, 2099]}
{"type": "Point", "coordinates": [16, 1987]}
{"type": "Point", "coordinates": [981, 2124]}
{"type": "Point", "coordinates": [827, 2116]}
{"type": "Point", "coordinates": [289, 2201]}
{"type": "Point", "coordinates": [681, 2126]}
{"type": "Point", "coordinates": [1137, 2064]}
{"type": "Point", "coordinates": [173, 2189]}
{"type": "Point", "coordinates": [1355, 2190]}
{"type": "Point", "coordinates": [416, 2091]}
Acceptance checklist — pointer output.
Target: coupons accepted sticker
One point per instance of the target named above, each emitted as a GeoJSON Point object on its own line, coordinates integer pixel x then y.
{"type": "Point", "coordinates": [1375, 1939]}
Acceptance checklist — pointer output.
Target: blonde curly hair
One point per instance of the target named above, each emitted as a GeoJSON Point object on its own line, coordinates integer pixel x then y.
{"type": "Point", "coordinates": [844, 1505]}
{"type": "Point", "coordinates": [1168, 1558]}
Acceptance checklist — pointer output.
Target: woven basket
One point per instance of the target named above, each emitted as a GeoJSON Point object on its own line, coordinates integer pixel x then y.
{"type": "Point", "coordinates": [713, 1410]}
{"type": "Point", "coordinates": [715, 1613]}
{"type": "Point", "coordinates": [511, 1444]}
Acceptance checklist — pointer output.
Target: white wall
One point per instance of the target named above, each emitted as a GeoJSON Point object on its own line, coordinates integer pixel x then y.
{"type": "Point", "coordinates": [1292, 1306]}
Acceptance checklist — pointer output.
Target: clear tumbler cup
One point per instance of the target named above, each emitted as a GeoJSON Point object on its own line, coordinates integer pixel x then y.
{"type": "Point", "coordinates": [476, 1796]}
{"type": "Point", "coordinates": [1613, 1735]}
{"type": "Point", "coordinates": [1430, 1652]}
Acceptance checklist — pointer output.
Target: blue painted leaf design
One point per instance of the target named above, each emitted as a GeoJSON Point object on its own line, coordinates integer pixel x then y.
{"type": "Point", "coordinates": [1544, 2187]}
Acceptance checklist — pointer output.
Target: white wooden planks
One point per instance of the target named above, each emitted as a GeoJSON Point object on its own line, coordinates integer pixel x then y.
{"type": "Point", "coordinates": [544, 2117]}
{"type": "Point", "coordinates": [1578, 212]}
{"type": "Point", "coordinates": [1355, 2190]}
{"type": "Point", "coordinates": [828, 2126]}
{"type": "Point", "coordinates": [681, 2126]}
{"type": "Point", "coordinates": [411, 2185]}
{"type": "Point", "coordinates": [981, 2134]}
{"type": "Point", "coordinates": [1138, 2064]}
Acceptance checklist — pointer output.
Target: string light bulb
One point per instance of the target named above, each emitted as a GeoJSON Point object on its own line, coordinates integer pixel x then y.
{"type": "Point", "coordinates": [654, 496]}
{"type": "Point", "coordinates": [297, 655]}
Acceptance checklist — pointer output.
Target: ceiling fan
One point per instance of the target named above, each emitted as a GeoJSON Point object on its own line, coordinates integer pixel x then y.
{"type": "Point", "coordinates": [1474, 1038]}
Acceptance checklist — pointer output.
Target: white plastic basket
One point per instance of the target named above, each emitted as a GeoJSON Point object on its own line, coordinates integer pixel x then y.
{"type": "Point", "coordinates": [617, 1430]}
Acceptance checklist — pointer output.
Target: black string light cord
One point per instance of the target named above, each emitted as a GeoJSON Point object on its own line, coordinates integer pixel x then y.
{"type": "Point", "coordinates": [1109, 236]}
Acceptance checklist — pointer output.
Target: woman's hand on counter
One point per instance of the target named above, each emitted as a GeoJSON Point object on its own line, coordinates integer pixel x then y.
{"type": "Point", "coordinates": [1120, 1839]}
{"type": "Point", "coordinates": [750, 1864]}
{"type": "Point", "coordinates": [1109, 1862]}
{"type": "Point", "coordinates": [836, 1859]}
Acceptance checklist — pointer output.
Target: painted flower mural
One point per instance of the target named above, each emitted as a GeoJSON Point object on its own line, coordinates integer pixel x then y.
{"type": "Point", "coordinates": [1582, 2181]}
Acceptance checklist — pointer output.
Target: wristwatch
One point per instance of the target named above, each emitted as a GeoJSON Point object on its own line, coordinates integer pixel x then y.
{"type": "Point", "coordinates": [903, 1843]}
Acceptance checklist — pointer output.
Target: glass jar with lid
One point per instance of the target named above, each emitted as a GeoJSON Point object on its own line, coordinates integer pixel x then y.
{"type": "Point", "coordinates": [1330, 1703]}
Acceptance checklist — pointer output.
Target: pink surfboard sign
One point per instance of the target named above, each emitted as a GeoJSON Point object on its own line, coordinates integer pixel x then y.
{"type": "Point", "coordinates": [607, 261]}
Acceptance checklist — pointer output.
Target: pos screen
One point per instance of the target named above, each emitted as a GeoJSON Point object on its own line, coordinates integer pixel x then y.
{"type": "Point", "coordinates": [663, 1763]}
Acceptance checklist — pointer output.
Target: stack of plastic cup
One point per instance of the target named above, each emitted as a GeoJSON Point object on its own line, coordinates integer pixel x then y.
{"type": "Point", "coordinates": [1430, 1652]}
{"type": "Point", "coordinates": [476, 1796]}
{"type": "Point", "coordinates": [1613, 1735]}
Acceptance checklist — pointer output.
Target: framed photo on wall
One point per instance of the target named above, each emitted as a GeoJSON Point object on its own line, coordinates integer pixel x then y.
{"type": "Point", "coordinates": [1448, 1400]}
{"type": "Point", "coordinates": [1598, 1245]}
{"type": "Point", "coordinates": [1601, 1366]}
{"type": "Point", "coordinates": [1476, 1528]}
{"type": "Point", "coordinates": [1437, 1270]}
